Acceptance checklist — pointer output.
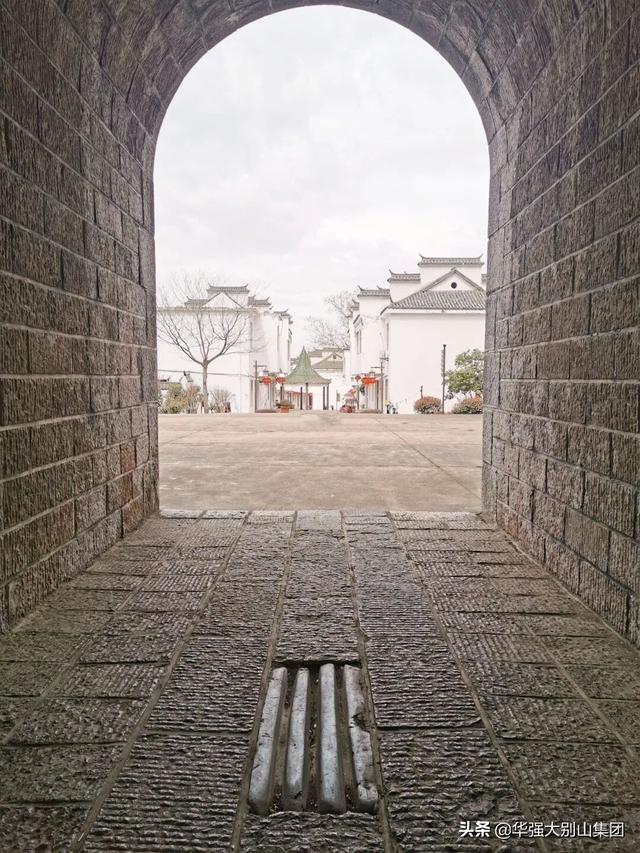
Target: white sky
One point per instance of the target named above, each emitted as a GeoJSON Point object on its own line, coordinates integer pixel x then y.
{"type": "Point", "coordinates": [313, 150]}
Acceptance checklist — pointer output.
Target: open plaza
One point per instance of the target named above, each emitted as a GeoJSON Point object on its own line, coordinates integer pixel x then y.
{"type": "Point", "coordinates": [320, 460]}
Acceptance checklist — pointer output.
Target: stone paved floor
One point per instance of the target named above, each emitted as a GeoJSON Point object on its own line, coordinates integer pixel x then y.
{"type": "Point", "coordinates": [131, 700]}
{"type": "Point", "coordinates": [321, 460]}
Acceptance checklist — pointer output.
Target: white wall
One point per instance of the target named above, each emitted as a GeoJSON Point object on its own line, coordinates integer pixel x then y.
{"type": "Point", "coordinates": [431, 272]}
{"type": "Point", "coordinates": [415, 345]}
{"type": "Point", "coordinates": [235, 370]}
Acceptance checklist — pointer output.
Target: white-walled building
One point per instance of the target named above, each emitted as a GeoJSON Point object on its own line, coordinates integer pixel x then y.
{"type": "Point", "coordinates": [399, 331]}
{"type": "Point", "coordinates": [265, 346]}
{"type": "Point", "coordinates": [332, 363]}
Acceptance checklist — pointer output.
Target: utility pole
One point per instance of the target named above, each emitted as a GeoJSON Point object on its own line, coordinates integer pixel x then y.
{"type": "Point", "coordinates": [443, 363]}
{"type": "Point", "coordinates": [255, 385]}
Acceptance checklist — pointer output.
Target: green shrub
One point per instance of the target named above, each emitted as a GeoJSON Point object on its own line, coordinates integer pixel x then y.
{"type": "Point", "coordinates": [469, 406]}
{"type": "Point", "coordinates": [427, 405]}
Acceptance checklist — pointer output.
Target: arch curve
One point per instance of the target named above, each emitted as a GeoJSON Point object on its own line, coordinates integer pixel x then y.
{"type": "Point", "coordinates": [84, 85]}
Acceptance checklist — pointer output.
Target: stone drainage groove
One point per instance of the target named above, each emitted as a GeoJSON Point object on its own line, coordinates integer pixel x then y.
{"type": "Point", "coordinates": [314, 750]}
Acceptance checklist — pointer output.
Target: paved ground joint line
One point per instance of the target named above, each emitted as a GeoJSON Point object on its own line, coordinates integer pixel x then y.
{"type": "Point", "coordinates": [382, 810]}
{"type": "Point", "coordinates": [181, 644]}
{"type": "Point", "coordinates": [242, 808]}
{"type": "Point", "coordinates": [440, 468]}
{"type": "Point", "coordinates": [486, 722]}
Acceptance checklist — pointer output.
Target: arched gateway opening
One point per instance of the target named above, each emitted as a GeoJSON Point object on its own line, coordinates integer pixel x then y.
{"type": "Point", "coordinates": [85, 87]}
{"type": "Point", "coordinates": [303, 680]}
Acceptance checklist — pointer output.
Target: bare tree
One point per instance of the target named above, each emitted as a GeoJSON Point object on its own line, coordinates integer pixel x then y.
{"type": "Point", "coordinates": [331, 330]}
{"type": "Point", "coordinates": [202, 333]}
{"type": "Point", "coordinates": [220, 398]}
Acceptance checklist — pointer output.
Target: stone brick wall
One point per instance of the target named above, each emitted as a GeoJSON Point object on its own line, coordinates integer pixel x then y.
{"type": "Point", "coordinates": [84, 85]}
{"type": "Point", "coordinates": [562, 450]}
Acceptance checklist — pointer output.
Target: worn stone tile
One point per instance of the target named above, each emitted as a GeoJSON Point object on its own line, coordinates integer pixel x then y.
{"type": "Point", "coordinates": [169, 583]}
{"type": "Point", "coordinates": [50, 620]}
{"type": "Point", "coordinates": [524, 586]}
{"type": "Point", "coordinates": [178, 791]}
{"type": "Point", "coordinates": [509, 647]}
{"type": "Point", "coordinates": [458, 775]}
{"type": "Point", "coordinates": [162, 532]}
{"type": "Point", "coordinates": [494, 677]}
{"type": "Point", "coordinates": [321, 628]}
{"type": "Point", "coordinates": [79, 721]}
{"type": "Point", "coordinates": [381, 616]}
{"type": "Point", "coordinates": [112, 565]}
{"type": "Point", "coordinates": [128, 648]}
{"type": "Point", "coordinates": [70, 598]}
{"type": "Point", "coordinates": [161, 825]}
{"type": "Point", "coordinates": [316, 640]}
{"type": "Point", "coordinates": [110, 680]}
{"type": "Point", "coordinates": [427, 693]}
{"type": "Point", "coordinates": [27, 679]}
{"type": "Point", "coordinates": [602, 651]}
{"type": "Point", "coordinates": [214, 686]}
{"type": "Point", "coordinates": [40, 774]}
{"type": "Point", "coordinates": [12, 710]}
{"type": "Point", "coordinates": [25, 829]}
{"type": "Point", "coordinates": [624, 716]}
{"type": "Point", "coordinates": [171, 624]}
{"type": "Point", "coordinates": [568, 625]}
{"type": "Point", "coordinates": [607, 682]}
{"type": "Point", "coordinates": [574, 772]}
{"type": "Point", "coordinates": [161, 602]}
{"type": "Point", "coordinates": [482, 623]}
{"type": "Point", "coordinates": [22, 646]}
{"type": "Point", "coordinates": [536, 718]}
{"type": "Point", "coordinates": [494, 602]}
{"type": "Point", "coordinates": [311, 833]}
{"type": "Point", "coordinates": [105, 581]}
{"type": "Point", "coordinates": [239, 609]}
{"type": "Point", "coordinates": [180, 513]}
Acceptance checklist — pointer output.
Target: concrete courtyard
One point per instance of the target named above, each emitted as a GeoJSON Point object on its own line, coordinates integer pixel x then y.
{"type": "Point", "coordinates": [320, 460]}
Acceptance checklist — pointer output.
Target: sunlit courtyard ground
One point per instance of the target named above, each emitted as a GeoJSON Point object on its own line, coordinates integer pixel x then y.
{"type": "Point", "coordinates": [323, 460]}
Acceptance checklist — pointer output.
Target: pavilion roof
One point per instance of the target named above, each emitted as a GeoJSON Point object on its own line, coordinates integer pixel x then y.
{"type": "Point", "coordinates": [304, 373]}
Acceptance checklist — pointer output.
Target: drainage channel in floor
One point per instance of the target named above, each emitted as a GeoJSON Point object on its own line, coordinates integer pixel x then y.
{"type": "Point", "coordinates": [314, 750]}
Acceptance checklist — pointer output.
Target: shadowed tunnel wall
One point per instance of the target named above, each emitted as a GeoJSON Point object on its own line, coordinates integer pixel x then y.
{"type": "Point", "coordinates": [84, 85]}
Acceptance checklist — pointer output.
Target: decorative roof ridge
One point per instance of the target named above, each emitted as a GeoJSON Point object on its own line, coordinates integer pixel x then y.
{"type": "Point", "coordinates": [404, 276]}
{"type": "Point", "coordinates": [454, 261]}
{"type": "Point", "coordinates": [371, 291]}
{"type": "Point", "coordinates": [216, 288]}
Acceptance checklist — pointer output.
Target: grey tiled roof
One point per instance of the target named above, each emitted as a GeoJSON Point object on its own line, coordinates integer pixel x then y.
{"type": "Point", "coordinates": [454, 262]}
{"type": "Point", "coordinates": [374, 291]}
{"type": "Point", "coordinates": [443, 300]}
{"type": "Point", "coordinates": [403, 276]}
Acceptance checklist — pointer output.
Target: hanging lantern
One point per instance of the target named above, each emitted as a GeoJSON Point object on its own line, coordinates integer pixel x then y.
{"type": "Point", "coordinates": [280, 378]}
{"type": "Point", "coordinates": [265, 380]}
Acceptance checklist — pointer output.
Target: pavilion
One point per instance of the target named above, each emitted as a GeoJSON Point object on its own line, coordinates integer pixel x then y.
{"type": "Point", "coordinates": [304, 383]}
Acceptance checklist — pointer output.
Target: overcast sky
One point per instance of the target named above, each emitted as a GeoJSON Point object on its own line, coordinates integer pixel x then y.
{"type": "Point", "coordinates": [313, 150]}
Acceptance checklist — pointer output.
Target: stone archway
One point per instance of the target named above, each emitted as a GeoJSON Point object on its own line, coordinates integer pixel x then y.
{"type": "Point", "coordinates": [84, 87]}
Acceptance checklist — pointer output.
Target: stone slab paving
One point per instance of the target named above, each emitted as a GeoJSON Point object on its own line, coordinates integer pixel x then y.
{"type": "Point", "coordinates": [130, 701]}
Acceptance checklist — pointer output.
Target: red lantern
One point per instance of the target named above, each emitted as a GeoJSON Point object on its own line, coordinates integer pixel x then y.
{"type": "Point", "coordinates": [265, 380]}
{"type": "Point", "coordinates": [280, 379]}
